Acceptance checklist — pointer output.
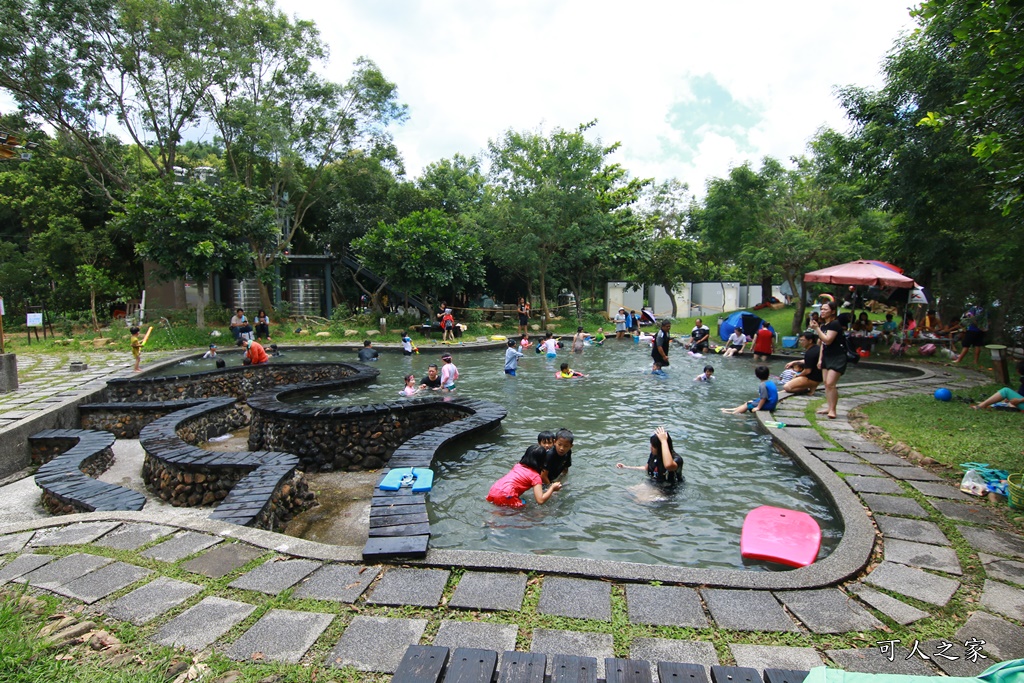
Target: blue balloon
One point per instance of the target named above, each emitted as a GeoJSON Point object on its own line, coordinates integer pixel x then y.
{"type": "Point", "coordinates": [943, 394]}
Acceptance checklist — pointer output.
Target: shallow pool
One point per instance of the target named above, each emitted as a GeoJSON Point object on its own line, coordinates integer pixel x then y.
{"type": "Point", "coordinates": [603, 512]}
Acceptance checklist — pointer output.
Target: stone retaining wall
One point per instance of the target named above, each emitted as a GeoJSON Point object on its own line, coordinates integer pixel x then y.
{"type": "Point", "coordinates": [126, 420]}
{"type": "Point", "coordinates": [261, 488]}
{"type": "Point", "coordinates": [239, 382]}
{"type": "Point", "coordinates": [347, 438]}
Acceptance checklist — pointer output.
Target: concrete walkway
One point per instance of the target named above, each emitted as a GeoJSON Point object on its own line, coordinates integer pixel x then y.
{"type": "Point", "coordinates": [258, 596]}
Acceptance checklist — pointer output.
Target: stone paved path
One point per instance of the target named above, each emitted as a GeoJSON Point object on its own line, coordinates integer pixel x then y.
{"type": "Point", "coordinates": [242, 592]}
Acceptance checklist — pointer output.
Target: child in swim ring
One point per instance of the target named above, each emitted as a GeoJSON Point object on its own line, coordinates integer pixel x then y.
{"type": "Point", "coordinates": [565, 372]}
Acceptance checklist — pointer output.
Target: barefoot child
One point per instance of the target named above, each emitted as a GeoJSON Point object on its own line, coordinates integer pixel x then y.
{"type": "Point", "coordinates": [136, 348]}
{"type": "Point", "coordinates": [767, 394]}
{"type": "Point", "coordinates": [525, 475]}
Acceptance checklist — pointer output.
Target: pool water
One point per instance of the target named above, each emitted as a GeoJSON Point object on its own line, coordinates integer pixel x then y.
{"type": "Point", "coordinates": [604, 512]}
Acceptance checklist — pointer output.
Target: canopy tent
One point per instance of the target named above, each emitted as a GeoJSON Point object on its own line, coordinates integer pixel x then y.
{"type": "Point", "coordinates": [867, 273]}
{"type": "Point", "coordinates": [748, 322]}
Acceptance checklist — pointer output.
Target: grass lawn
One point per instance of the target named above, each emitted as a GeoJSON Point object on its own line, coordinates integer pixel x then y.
{"type": "Point", "coordinates": [952, 433]}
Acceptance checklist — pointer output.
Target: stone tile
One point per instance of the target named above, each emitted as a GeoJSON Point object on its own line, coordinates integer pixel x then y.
{"type": "Point", "coordinates": [961, 666]}
{"type": "Point", "coordinates": [975, 513]}
{"type": "Point", "coordinates": [914, 583]}
{"type": "Point", "coordinates": [1005, 600]}
{"type": "Point", "coordinates": [1002, 639]}
{"type": "Point", "coordinates": [763, 657]}
{"type": "Point", "coordinates": [922, 555]}
{"type": "Point", "coordinates": [911, 530]}
{"type": "Point", "coordinates": [147, 602]}
{"type": "Point", "coordinates": [934, 490]}
{"type": "Point", "coordinates": [222, 559]}
{"type": "Point", "coordinates": [422, 587]}
{"type": "Point", "coordinates": [97, 585]}
{"type": "Point", "coordinates": [911, 473]}
{"type": "Point", "coordinates": [13, 543]}
{"type": "Point", "coordinates": [476, 634]}
{"type": "Point", "coordinates": [337, 582]}
{"type": "Point", "coordinates": [1002, 569]}
{"type": "Point", "coordinates": [550, 642]}
{"type": "Point", "coordinates": [994, 542]}
{"type": "Point", "coordinates": [872, 661]}
{"type": "Point", "coordinates": [133, 536]}
{"type": "Point", "coordinates": [664, 606]}
{"type": "Point", "coordinates": [873, 485]}
{"type": "Point", "coordinates": [280, 636]}
{"type": "Point", "coordinates": [859, 469]}
{"type": "Point", "coordinates": [490, 591]}
{"type": "Point", "coordinates": [898, 611]}
{"type": "Point", "coordinates": [72, 534]}
{"type": "Point", "coordinates": [180, 546]}
{"type": "Point", "coordinates": [376, 643]}
{"type": "Point", "coordinates": [576, 598]}
{"type": "Point", "coordinates": [64, 570]}
{"type": "Point", "coordinates": [894, 505]}
{"type": "Point", "coordinates": [797, 420]}
{"type": "Point", "coordinates": [837, 457]}
{"type": "Point", "coordinates": [857, 444]}
{"type": "Point", "coordinates": [808, 438]}
{"type": "Point", "coordinates": [879, 458]}
{"type": "Point", "coordinates": [656, 650]}
{"type": "Point", "coordinates": [744, 610]}
{"type": "Point", "coordinates": [21, 565]}
{"type": "Point", "coordinates": [200, 626]}
{"type": "Point", "coordinates": [274, 576]}
{"type": "Point", "coordinates": [828, 610]}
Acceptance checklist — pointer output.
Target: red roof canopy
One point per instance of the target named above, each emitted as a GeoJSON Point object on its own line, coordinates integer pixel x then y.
{"type": "Point", "coordinates": [867, 273]}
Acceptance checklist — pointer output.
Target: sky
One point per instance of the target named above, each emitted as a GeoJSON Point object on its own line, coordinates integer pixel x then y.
{"type": "Point", "coordinates": [689, 89]}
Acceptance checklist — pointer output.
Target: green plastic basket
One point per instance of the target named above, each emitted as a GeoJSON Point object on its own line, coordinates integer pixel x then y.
{"type": "Point", "coordinates": [1015, 484]}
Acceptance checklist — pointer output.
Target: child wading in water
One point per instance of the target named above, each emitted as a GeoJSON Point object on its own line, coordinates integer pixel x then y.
{"type": "Point", "coordinates": [449, 373]}
{"type": "Point", "coordinates": [565, 372]}
{"type": "Point", "coordinates": [663, 464]}
{"type": "Point", "coordinates": [136, 348]}
{"type": "Point", "coordinates": [512, 356]}
{"type": "Point", "coordinates": [707, 375]}
{"type": "Point", "coordinates": [525, 475]}
{"type": "Point", "coordinates": [558, 456]}
{"type": "Point", "coordinates": [411, 386]}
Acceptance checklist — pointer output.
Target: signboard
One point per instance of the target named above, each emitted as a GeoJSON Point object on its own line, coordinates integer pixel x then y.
{"type": "Point", "coordinates": [34, 320]}
{"type": "Point", "coordinates": [1, 305]}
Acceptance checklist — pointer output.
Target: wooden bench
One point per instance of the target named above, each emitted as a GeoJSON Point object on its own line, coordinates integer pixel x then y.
{"type": "Point", "coordinates": [434, 664]}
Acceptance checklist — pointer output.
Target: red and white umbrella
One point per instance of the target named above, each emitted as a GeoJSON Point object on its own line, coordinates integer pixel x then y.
{"type": "Point", "coordinates": [866, 273]}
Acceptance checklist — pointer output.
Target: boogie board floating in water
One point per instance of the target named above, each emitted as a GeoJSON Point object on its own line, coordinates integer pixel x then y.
{"type": "Point", "coordinates": [421, 479]}
{"type": "Point", "coordinates": [774, 534]}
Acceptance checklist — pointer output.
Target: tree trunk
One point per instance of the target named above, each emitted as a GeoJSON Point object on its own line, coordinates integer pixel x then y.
{"type": "Point", "coordinates": [201, 304]}
{"type": "Point", "coordinates": [265, 303]}
{"type": "Point", "coordinates": [801, 305]}
{"type": "Point", "coordinates": [766, 288]}
{"type": "Point", "coordinates": [672, 298]}
{"type": "Point", "coordinates": [543, 295]}
{"type": "Point", "coordinates": [92, 309]}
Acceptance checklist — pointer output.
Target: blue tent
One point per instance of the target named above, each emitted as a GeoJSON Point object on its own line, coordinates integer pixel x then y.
{"type": "Point", "coordinates": [749, 322]}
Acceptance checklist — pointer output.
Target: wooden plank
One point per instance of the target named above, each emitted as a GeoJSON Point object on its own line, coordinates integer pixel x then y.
{"type": "Point", "coordinates": [671, 672]}
{"type": "Point", "coordinates": [384, 517]}
{"type": "Point", "coordinates": [734, 674]}
{"type": "Point", "coordinates": [522, 667]}
{"type": "Point", "coordinates": [400, 530]}
{"type": "Point", "coordinates": [618, 670]}
{"type": "Point", "coordinates": [784, 676]}
{"type": "Point", "coordinates": [470, 665]}
{"type": "Point", "coordinates": [386, 547]}
{"type": "Point", "coordinates": [573, 669]}
{"type": "Point", "coordinates": [421, 664]}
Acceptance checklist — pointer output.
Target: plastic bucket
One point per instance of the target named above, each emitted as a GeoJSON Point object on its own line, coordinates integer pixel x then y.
{"type": "Point", "coordinates": [1015, 485]}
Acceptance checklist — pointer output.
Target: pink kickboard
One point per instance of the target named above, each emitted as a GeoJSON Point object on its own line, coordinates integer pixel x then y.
{"type": "Point", "coordinates": [777, 535]}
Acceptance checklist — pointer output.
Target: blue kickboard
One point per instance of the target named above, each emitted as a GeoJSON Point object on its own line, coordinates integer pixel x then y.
{"type": "Point", "coordinates": [421, 479]}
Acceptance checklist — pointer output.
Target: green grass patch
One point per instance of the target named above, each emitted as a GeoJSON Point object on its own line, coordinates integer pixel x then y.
{"type": "Point", "coordinates": [952, 433]}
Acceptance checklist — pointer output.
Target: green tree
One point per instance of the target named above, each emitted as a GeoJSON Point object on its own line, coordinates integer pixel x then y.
{"type": "Point", "coordinates": [198, 229]}
{"type": "Point", "coordinates": [424, 252]}
{"type": "Point", "coordinates": [553, 194]}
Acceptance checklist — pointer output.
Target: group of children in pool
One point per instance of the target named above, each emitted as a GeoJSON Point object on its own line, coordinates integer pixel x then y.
{"type": "Point", "coordinates": [542, 464]}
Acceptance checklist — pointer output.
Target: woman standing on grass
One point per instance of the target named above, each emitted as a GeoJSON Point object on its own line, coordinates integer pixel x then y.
{"type": "Point", "coordinates": [832, 359]}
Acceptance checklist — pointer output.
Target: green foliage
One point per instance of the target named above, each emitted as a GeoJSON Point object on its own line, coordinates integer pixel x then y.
{"type": "Point", "coordinates": [423, 253]}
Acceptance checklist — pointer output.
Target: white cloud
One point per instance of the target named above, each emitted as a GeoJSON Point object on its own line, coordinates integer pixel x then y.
{"type": "Point", "coordinates": [471, 70]}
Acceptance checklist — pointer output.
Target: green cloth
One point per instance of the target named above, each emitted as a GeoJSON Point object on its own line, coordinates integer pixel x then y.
{"type": "Point", "coordinates": [1006, 672]}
